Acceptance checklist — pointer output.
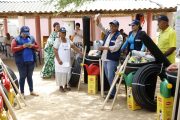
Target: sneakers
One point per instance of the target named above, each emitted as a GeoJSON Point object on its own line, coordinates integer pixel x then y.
{"type": "Point", "coordinates": [34, 94]}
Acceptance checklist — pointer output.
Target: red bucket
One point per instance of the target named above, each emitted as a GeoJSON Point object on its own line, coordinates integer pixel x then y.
{"type": "Point", "coordinates": [92, 69]}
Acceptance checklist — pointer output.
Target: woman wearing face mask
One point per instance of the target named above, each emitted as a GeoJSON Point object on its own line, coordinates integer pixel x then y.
{"type": "Point", "coordinates": [133, 42]}
{"type": "Point", "coordinates": [48, 69]}
{"type": "Point", "coordinates": [62, 48]}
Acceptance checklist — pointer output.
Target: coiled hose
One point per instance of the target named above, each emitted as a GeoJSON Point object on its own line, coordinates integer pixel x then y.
{"type": "Point", "coordinates": [144, 85]}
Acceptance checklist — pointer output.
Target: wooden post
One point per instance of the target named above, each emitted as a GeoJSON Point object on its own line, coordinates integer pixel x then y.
{"type": "Point", "coordinates": [49, 25]}
{"type": "Point", "coordinates": [38, 33]}
{"type": "Point", "coordinates": [92, 23]}
{"type": "Point", "coordinates": [149, 23]}
{"type": "Point", "coordinates": [5, 25]}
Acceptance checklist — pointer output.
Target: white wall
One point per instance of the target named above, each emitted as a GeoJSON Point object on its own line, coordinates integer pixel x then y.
{"type": "Point", "coordinates": [177, 27]}
{"type": "Point", "coordinates": [124, 24]}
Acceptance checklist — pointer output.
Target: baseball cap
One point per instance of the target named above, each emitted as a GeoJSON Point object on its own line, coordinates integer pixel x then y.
{"type": "Point", "coordinates": [25, 30]}
{"type": "Point", "coordinates": [135, 22]}
{"type": "Point", "coordinates": [163, 17]}
{"type": "Point", "coordinates": [62, 29]}
{"type": "Point", "coordinates": [115, 22]}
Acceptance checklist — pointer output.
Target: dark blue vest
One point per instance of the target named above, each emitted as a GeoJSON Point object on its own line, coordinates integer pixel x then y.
{"type": "Point", "coordinates": [113, 55]}
{"type": "Point", "coordinates": [19, 55]}
{"type": "Point", "coordinates": [137, 41]}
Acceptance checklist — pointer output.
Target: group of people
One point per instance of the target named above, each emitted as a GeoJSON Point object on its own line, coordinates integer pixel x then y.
{"type": "Point", "coordinates": [48, 69]}
{"type": "Point", "coordinates": [114, 45]}
{"type": "Point", "coordinates": [57, 51]}
{"type": "Point", "coordinates": [57, 55]}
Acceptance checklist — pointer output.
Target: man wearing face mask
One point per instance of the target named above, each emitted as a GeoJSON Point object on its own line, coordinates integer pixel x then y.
{"type": "Point", "coordinates": [111, 50]}
{"type": "Point", "coordinates": [24, 47]}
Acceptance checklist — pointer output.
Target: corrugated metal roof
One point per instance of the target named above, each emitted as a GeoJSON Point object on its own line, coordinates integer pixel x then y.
{"type": "Point", "coordinates": [41, 6]}
{"type": "Point", "coordinates": [26, 7]}
{"type": "Point", "coordinates": [125, 5]}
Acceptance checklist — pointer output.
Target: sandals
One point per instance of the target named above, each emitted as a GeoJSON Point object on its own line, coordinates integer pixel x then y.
{"type": "Point", "coordinates": [67, 88]}
{"type": "Point", "coordinates": [23, 95]}
{"type": "Point", "coordinates": [61, 89]}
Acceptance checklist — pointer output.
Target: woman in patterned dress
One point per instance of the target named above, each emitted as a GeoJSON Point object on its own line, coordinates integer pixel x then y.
{"type": "Point", "coordinates": [48, 69]}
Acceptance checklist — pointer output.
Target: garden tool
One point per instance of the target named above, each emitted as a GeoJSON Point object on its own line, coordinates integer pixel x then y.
{"type": "Point", "coordinates": [82, 68]}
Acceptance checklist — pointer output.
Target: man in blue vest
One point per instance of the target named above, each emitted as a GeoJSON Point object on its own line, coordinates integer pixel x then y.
{"type": "Point", "coordinates": [111, 50]}
{"type": "Point", "coordinates": [24, 47]}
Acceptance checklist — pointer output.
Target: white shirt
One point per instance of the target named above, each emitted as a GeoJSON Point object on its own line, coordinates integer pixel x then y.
{"type": "Point", "coordinates": [113, 48]}
{"type": "Point", "coordinates": [57, 42]}
{"type": "Point", "coordinates": [78, 37]}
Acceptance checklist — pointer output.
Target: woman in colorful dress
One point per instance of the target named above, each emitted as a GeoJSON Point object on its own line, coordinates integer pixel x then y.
{"type": "Point", "coordinates": [48, 69]}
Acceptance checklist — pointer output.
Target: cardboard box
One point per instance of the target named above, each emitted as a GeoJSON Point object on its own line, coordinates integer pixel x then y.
{"type": "Point", "coordinates": [11, 96]}
{"type": "Point", "coordinates": [92, 84]}
{"type": "Point", "coordinates": [164, 108]}
{"type": "Point", "coordinates": [131, 103]}
{"type": "Point", "coordinates": [3, 115]}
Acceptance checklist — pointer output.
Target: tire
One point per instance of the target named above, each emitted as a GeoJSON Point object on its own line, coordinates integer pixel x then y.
{"type": "Point", "coordinates": [75, 73]}
{"type": "Point", "coordinates": [13, 77]}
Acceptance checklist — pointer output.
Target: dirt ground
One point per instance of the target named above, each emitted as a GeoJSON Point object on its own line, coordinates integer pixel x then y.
{"type": "Point", "coordinates": [73, 105]}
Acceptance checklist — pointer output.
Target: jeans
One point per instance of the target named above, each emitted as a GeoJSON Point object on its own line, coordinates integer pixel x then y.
{"type": "Point", "coordinates": [26, 71]}
{"type": "Point", "coordinates": [110, 68]}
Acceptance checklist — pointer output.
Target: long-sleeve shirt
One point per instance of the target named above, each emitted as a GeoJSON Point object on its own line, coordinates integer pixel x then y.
{"type": "Point", "coordinates": [130, 40]}
{"type": "Point", "coordinates": [113, 48]}
{"type": "Point", "coordinates": [16, 48]}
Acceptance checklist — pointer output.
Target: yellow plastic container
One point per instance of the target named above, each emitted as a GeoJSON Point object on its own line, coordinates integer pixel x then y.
{"type": "Point", "coordinates": [11, 96]}
{"type": "Point", "coordinates": [131, 103]}
{"type": "Point", "coordinates": [164, 107]}
{"type": "Point", "coordinates": [3, 116]}
{"type": "Point", "coordinates": [92, 84]}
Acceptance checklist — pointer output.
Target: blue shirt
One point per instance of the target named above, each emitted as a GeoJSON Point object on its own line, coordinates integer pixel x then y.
{"type": "Point", "coordinates": [27, 52]}
{"type": "Point", "coordinates": [130, 40]}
